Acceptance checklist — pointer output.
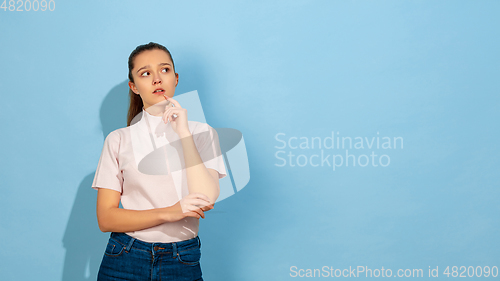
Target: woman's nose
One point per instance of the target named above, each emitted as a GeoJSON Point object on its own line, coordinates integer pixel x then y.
{"type": "Point", "coordinates": [156, 80]}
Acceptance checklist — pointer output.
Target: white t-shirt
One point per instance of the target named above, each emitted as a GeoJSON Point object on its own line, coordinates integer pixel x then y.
{"type": "Point", "coordinates": [158, 178]}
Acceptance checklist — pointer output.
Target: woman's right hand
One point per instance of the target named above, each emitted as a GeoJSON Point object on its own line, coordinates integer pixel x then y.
{"type": "Point", "coordinates": [193, 205]}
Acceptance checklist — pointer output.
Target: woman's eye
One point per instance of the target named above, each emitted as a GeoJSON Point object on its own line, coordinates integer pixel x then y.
{"type": "Point", "coordinates": [145, 73]}
{"type": "Point", "coordinates": [165, 70]}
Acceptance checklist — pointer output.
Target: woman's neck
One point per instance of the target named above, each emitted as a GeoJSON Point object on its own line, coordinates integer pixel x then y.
{"type": "Point", "coordinates": [157, 109]}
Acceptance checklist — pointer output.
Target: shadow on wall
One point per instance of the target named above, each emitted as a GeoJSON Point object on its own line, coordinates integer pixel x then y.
{"type": "Point", "coordinates": [83, 241]}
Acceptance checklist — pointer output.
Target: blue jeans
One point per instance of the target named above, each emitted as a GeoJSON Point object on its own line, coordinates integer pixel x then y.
{"type": "Point", "coordinates": [127, 258]}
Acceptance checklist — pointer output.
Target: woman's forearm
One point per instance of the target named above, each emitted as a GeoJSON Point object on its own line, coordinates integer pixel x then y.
{"type": "Point", "coordinates": [199, 179]}
{"type": "Point", "coordinates": [114, 219]}
{"type": "Point", "coordinates": [122, 220]}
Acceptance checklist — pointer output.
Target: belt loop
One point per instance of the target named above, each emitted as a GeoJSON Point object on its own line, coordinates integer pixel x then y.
{"type": "Point", "coordinates": [199, 241]}
{"type": "Point", "coordinates": [130, 244]}
{"type": "Point", "coordinates": [174, 250]}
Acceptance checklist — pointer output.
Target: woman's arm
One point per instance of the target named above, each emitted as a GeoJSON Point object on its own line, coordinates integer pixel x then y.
{"type": "Point", "coordinates": [112, 218]}
{"type": "Point", "coordinates": [199, 178]}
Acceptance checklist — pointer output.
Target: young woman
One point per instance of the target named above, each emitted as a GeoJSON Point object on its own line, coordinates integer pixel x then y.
{"type": "Point", "coordinates": [164, 169]}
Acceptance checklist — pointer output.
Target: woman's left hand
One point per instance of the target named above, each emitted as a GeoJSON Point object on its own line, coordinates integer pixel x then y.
{"type": "Point", "coordinates": [179, 123]}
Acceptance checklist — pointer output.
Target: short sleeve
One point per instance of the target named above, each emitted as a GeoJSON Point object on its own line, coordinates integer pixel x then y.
{"type": "Point", "coordinates": [207, 143]}
{"type": "Point", "coordinates": [108, 174]}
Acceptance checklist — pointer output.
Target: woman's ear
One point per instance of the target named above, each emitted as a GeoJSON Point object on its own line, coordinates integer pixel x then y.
{"type": "Point", "coordinates": [176, 79]}
{"type": "Point", "coordinates": [132, 87]}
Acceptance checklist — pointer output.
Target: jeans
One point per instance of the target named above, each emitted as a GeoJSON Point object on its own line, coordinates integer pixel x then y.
{"type": "Point", "coordinates": [127, 258]}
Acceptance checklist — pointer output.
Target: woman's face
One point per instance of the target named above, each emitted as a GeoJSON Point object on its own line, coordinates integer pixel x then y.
{"type": "Point", "coordinates": [154, 77]}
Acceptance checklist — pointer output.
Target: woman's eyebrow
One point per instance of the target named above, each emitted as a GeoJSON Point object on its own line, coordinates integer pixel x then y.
{"type": "Point", "coordinates": [163, 63]}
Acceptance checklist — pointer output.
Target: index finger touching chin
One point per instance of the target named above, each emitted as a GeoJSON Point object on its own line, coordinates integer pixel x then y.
{"type": "Point", "coordinates": [176, 103]}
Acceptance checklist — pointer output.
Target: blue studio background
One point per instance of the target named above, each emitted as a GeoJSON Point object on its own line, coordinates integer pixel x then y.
{"type": "Point", "coordinates": [402, 96]}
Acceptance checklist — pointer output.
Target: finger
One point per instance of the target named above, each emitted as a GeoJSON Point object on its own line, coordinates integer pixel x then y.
{"type": "Point", "coordinates": [199, 202]}
{"type": "Point", "coordinates": [166, 114]}
{"type": "Point", "coordinates": [210, 206]}
{"type": "Point", "coordinates": [207, 208]}
{"type": "Point", "coordinates": [168, 104]}
{"type": "Point", "coordinates": [192, 205]}
{"type": "Point", "coordinates": [192, 214]}
{"type": "Point", "coordinates": [166, 98]}
{"type": "Point", "coordinates": [190, 208]}
{"type": "Point", "coordinates": [169, 113]}
{"type": "Point", "coordinates": [199, 212]}
{"type": "Point", "coordinates": [176, 103]}
{"type": "Point", "coordinates": [164, 117]}
{"type": "Point", "coordinates": [200, 196]}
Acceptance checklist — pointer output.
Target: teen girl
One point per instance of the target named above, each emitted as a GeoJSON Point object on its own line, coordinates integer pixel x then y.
{"type": "Point", "coordinates": [164, 170]}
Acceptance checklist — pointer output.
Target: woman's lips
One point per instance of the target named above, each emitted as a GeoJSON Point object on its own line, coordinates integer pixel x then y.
{"type": "Point", "coordinates": [159, 92]}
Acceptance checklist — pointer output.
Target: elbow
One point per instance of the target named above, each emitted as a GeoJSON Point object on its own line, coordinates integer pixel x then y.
{"type": "Point", "coordinates": [215, 194]}
{"type": "Point", "coordinates": [103, 224]}
{"type": "Point", "coordinates": [212, 193]}
{"type": "Point", "coordinates": [103, 227]}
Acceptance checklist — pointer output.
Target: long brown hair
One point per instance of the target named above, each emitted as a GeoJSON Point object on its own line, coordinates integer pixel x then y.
{"type": "Point", "coordinates": [135, 106]}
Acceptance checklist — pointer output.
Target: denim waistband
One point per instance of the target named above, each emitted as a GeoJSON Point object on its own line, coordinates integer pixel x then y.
{"type": "Point", "coordinates": [128, 242]}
